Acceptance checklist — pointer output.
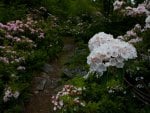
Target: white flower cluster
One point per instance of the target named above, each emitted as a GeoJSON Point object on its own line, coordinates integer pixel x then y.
{"type": "Point", "coordinates": [140, 86]}
{"type": "Point", "coordinates": [9, 94]}
{"type": "Point", "coordinates": [142, 9]}
{"type": "Point", "coordinates": [99, 39]}
{"type": "Point", "coordinates": [21, 68]}
{"type": "Point", "coordinates": [107, 51]}
{"type": "Point", "coordinates": [139, 78]}
{"type": "Point", "coordinates": [68, 90]}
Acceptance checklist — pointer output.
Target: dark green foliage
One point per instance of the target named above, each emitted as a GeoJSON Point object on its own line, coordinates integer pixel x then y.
{"type": "Point", "coordinates": [138, 2]}
{"type": "Point", "coordinates": [8, 13]}
{"type": "Point", "coordinates": [77, 81]}
{"type": "Point", "coordinates": [14, 109]}
{"type": "Point", "coordinates": [79, 7]}
{"type": "Point", "coordinates": [69, 7]}
{"type": "Point", "coordinates": [79, 57]}
{"type": "Point", "coordinates": [92, 107]}
{"type": "Point", "coordinates": [29, 3]}
{"type": "Point", "coordinates": [55, 45]}
{"type": "Point", "coordinates": [36, 59]}
{"type": "Point", "coordinates": [53, 6]}
{"type": "Point", "coordinates": [145, 44]}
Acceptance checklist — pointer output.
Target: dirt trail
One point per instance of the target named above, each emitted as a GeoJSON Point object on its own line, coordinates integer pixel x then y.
{"type": "Point", "coordinates": [40, 101]}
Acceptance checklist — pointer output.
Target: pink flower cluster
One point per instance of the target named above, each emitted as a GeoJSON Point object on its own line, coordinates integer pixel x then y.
{"type": "Point", "coordinates": [26, 33]}
{"type": "Point", "coordinates": [4, 60]}
{"type": "Point", "coordinates": [70, 91]}
{"type": "Point", "coordinates": [15, 30]}
{"type": "Point", "coordinates": [131, 36]}
{"type": "Point", "coordinates": [142, 9]}
{"type": "Point", "coordinates": [118, 4]}
{"type": "Point", "coordinates": [9, 94]}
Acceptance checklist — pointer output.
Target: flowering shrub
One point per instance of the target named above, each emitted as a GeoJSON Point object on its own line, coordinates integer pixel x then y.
{"type": "Point", "coordinates": [74, 26]}
{"type": "Point", "coordinates": [123, 88]}
{"type": "Point", "coordinates": [9, 12]}
{"type": "Point", "coordinates": [24, 46]}
{"type": "Point", "coordinates": [118, 89]}
{"type": "Point", "coordinates": [107, 51]}
{"type": "Point", "coordinates": [21, 38]}
{"type": "Point", "coordinates": [9, 94]}
{"type": "Point", "coordinates": [69, 96]}
{"type": "Point", "coordinates": [142, 9]}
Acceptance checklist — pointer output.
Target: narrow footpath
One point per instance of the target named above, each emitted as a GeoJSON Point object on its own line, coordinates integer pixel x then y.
{"type": "Point", "coordinates": [48, 82]}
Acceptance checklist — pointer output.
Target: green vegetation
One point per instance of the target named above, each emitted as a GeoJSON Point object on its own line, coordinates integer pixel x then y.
{"type": "Point", "coordinates": [30, 36]}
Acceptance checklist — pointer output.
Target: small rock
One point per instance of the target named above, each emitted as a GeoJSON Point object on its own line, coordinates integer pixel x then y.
{"type": "Point", "coordinates": [36, 92]}
{"type": "Point", "coordinates": [47, 68]}
{"type": "Point", "coordinates": [46, 91]}
{"type": "Point", "coordinates": [73, 72]}
{"type": "Point", "coordinates": [52, 83]}
{"type": "Point", "coordinates": [44, 75]}
{"type": "Point", "coordinates": [40, 83]}
{"type": "Point", "coordinates": [67, 72]}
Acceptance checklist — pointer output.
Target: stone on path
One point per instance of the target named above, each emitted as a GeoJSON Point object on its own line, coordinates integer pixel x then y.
{"type": "Point", "coordinates": [47, 68]}
{"type": "Point", "coordinates": [73, 72]}
{"type": "Point", "coordinates": [40, 83]}
{"type": "Point", "coordinates": [52, 83]}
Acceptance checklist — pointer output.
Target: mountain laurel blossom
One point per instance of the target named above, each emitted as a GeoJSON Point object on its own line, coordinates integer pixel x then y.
{"type": "Point", "coordinates": [132, 36]}
{"type": "Point", "coordinates": [107, 51]}
{"type": "Point", "coordinates": [118, 4]}
{"type": "Point", "coordinates": [99, 39]}
{"type": "Point", "coordinates": [141, 9]}
{"type": "Point", "coordinates": [68, 90]}
{"type": "Point", "coordinates": [9, 94]}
